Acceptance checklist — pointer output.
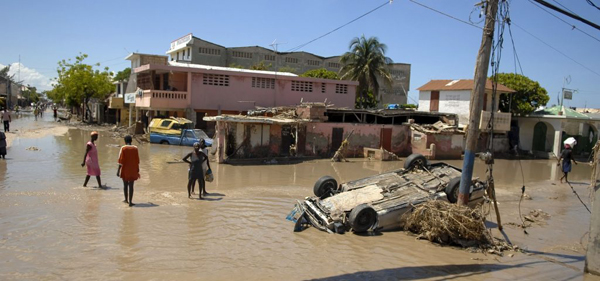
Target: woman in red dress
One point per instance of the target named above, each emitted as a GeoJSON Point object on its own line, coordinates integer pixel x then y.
{"type": "Point", "coordinates": [129, 168]}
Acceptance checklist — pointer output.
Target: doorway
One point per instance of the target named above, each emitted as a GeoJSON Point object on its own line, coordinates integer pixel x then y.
{"type": "Point", "coordinates": [386, 139]}
{"type": "Point", "coordinates": [337, 136]}
{"type": "Point", "coordinates": [539, 137]}
{"type": "Point", "coordinates": [434, 104]}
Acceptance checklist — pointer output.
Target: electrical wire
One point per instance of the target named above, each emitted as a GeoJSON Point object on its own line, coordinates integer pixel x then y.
{"type": "Point", "coordinates": [564, 21]}
{"type": "Point", "coordinates": [447, 15]}
{"type": "Point", "coordinates": [592, 4]}
{"type": "Point", "coordinates": [336, 29]}
{"type": "Point", "coordinates": [558, 51]}
{"type": "Point", "coordinates": [564, 7]}
{"type": "Point", "coordinates": [586, 207]}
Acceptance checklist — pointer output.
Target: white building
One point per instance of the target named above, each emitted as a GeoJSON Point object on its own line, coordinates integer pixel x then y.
{"type": "Point", "coordinates": [454, 96]}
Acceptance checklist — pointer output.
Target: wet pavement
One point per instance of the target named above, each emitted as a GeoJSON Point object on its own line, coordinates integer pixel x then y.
{"type": "Point", "coordinates": [53, 228]}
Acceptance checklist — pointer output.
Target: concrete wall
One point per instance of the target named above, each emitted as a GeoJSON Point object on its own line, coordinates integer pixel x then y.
{"type": "Point", "coordinates": [457, 102]}
{"type": "Point", "coordinates": [445, 146]}
{"type": "Point", "coordinates": [319, 138]}
{"type": "Point", "coordinates": [239, 95]}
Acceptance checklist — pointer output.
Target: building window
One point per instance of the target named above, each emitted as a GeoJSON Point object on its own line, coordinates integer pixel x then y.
{"type": "Point", "coordinates": [334, 65]}
{"type": "Point", "coordinates": [263, 83]}
{"type": "Point", "coordinates": [341, 89]}
{"type": "Point", "coordinates": [302, 86]}
{"type": "Point", "coordinates": [215, 80]}
{"type": "Point", "coordinates": [291, 60]}
{"type": "Point", "coordinates": [313, 62]}
{"type": "Point", "coordinates": [323, 87]}
{"type": "Point", "coordinates": [395, 72]}
{"type": "Point", "coordinates": [270, 57]}
{"type": "Point", "coordinates": [244, 55]}
{"type": "Point", "coordinates": [210, 51]}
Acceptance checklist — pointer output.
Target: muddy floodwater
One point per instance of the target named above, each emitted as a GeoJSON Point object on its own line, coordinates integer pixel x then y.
{"type": "Point", "coordinates": [52, 228]}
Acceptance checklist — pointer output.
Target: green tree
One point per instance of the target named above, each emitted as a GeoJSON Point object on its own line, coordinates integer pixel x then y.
{"type": "Point", "coordinates": [78, 82]}
{"type": "Point", "coordinates": [367, 100]}
{"type": "Point", "coordinates": [364, 62]}
{"type": "Point", "coordinates": [321, 73]}
{"type": "Point", "coordinates": [31, 94]}
{"type": "Point", "coordinates": [287, 69]}
{"type": "Point", "coordinates": [261, 66]}
{"type": "Point", "coordinates": [122, 75]}
{"type": "Point", "coordinates": [528, 96]}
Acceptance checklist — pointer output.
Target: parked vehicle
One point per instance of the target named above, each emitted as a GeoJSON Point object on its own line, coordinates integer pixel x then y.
{"type": "Point", "coordinates": [187, 137]}
{"type": "Point", "coordinates": [169, 126]}
{"type": "Point", "coordinates": [378, 202]}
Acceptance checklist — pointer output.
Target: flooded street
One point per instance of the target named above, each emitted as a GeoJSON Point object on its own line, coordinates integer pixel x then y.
{"type": "Point", "coordinates": [53, 228]}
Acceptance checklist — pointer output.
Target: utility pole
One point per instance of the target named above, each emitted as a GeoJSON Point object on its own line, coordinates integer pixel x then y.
{"type": "Point", "coordinates": [476, 106]}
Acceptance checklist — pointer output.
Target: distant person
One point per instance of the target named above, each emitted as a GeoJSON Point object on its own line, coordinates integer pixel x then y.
{"type": "Point", "coordinates": [90, 159]}
{"type": "Point", "coordinates": [205, 167]}
{"type": "Point", "coordinates": [35, 112]}
{"type": "Point", "coordinates": [129, 168]}
{"type": "Point", "coordinates": [55, 111]}
{"type": "Point", "coordinates": [2, 145]}
{"type": "Point", "coordinates": [6, 119]}
{"type": "Point", "coordinates": [566, 156]}
{"type": "Point", "coordinates": [196, 159]}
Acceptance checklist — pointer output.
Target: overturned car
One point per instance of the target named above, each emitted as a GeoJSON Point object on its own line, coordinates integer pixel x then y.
{"type": "Point", "coordinates": [378, 202]}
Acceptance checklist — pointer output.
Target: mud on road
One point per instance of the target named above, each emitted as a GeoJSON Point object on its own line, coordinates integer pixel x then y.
{"type": "Point", "coordinates": [53, 228]}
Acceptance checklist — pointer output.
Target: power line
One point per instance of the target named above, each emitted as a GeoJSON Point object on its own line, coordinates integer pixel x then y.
{"type": "Point", "coordinates": [565, 55]}
{"type": "Point", "coordinates": [592, 4]}
{"type": "Point", "coordinates": [564, 6]}
{"type": "Point", "coordinates": [447, 15]}
{"type": "Point", "coordinates": [571, 25]}
{"type": "Point", "coordinates": [336, 29]}
{"type": "Point", "coordinates": [548, 5]}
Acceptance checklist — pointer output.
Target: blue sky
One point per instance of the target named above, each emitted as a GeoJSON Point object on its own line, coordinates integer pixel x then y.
{"type": "Point", "coordinates": [437, 47]}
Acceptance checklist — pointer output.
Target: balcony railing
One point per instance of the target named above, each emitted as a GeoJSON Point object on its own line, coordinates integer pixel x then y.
{"type": "Point", "coordinates": [163, 99]}
{"type": "Point", "coordinates": [501, 121]}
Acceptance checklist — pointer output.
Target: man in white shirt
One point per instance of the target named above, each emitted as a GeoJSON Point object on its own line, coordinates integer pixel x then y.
{"type": "Point", "coordinates": [6, 119]}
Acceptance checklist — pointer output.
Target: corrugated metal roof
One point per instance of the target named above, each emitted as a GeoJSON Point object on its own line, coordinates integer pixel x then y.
{"type": "Point", "coordinates": [566, 113]}
{"type": "Point", "coordinates": [459, 84]}
{"type": "Point", "coordinates": [251, 119]}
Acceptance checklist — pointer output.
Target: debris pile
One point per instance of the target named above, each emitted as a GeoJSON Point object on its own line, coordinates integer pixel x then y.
{"type": "Point", "coordinates": [445, 223]}
{"type": "Point", "coordinates": [438, 127]}
{"type": "Point", "coordinates": [33, 148]}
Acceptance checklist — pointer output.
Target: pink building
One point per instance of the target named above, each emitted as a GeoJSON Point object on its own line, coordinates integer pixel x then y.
{"type": "Point", "coordinates": [194, 91]}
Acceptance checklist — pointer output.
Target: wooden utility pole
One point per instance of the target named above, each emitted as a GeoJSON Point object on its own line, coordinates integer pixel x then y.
{"type": "Point", "coordinates": [476, 106]}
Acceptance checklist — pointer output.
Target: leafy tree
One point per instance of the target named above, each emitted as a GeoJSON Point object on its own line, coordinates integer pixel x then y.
{"type": "Point", "coordinates": [366, 101]}
{"type": "Point", "coordinates": [364, 62]}
{"type": "Point", "coordinates": [78, 82]}
{"type": "Point", "coordinates": [261, 66]}
{"type": "Point", "coordinates": [321, 73]}
{"type": "Point", "coordinates": [123, 75]}
{"type": "Point", "coordinates": [233, 65]}
{"type": "Point", "coordinates": [31, 94]}
{"type": "Point", "coordinates": [287, 69]}
{"type": "Point", "coordinates": [528, 96]}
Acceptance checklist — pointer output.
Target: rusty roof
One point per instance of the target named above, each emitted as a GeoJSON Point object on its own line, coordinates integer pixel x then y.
{"type": "Point", "coordinates": [460, 84]}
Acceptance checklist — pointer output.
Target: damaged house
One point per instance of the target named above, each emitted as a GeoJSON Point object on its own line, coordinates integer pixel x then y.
{"type": "Point", "coordinates": [315, 130]}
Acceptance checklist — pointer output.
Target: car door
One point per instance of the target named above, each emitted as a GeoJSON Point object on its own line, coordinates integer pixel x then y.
{"type": "Point", "coordinates": [188, 138]}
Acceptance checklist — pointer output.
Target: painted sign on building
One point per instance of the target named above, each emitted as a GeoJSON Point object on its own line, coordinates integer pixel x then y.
{"type": "Point", "coordinates": [129, 98]}
{"type": "Point", "coordinates": [181, 41]}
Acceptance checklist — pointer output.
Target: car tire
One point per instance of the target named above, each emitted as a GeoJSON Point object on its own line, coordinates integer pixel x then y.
{"type": "Point", "coordinates": [362, 218]}
{"type": "Point", "coordinates": [164, 142]}
{"type": "Point", "coordinates": [325, 187]}
{"type": "Point", "coordinates": [452, 190]}
{"type": "Point", "coordinates": [415, 160]}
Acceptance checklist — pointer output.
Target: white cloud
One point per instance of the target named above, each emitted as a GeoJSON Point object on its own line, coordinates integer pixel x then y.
{"type": "Point", "coordinates": [30, 76]}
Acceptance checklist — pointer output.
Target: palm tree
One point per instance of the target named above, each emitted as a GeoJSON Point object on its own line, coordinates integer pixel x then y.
{"type": "Point", "coordinates": [364, 62]}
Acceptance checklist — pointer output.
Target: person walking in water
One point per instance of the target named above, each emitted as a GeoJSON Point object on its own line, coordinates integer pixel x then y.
{"type": "Point", "coordinates": [566, 156]}
{"type": "Point", "coordinates": [129, 168]}
{"type": "Point", "coordinates": [6, 120]}
{"type": "Point", "coordinates": [205, 166]}
{"type": "Point", "coordinates": [2, 145]}
{"type": "Point", "coordinates": [196, 158]}
{"type": "Point", "coordinates": [90, 159]}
